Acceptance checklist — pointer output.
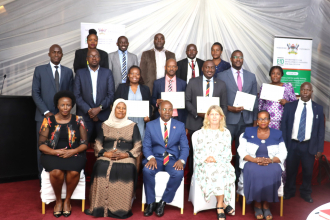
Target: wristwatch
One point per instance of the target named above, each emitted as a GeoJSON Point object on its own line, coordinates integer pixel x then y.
{"type": "Point", "coordinates": [272, 160]}
{"type": "Point", "coordinates": [182, 161]}
{"type": "Point", "coordinates": [101, 107]}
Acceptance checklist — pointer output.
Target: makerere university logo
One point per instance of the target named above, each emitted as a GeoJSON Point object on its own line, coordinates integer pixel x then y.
{"type": "Point", "coordinates": [293, 49]}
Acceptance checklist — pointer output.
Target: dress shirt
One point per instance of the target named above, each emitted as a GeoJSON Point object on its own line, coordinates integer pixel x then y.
{"type": "Point", "coordinates": [309, 120]}
{"type": "Point", "coordinates": [160, 63]}
{"type": "Point", "coordinates": [189, 73]}
{"type": "Point", "coordinates": [121, 63]}
{"type": "Point", "coordinates": [235, 74]}
{"type": "Point", "coordinates": [52, 66]}
{"type": "Point", "coordinates": [167, 82]}
{"type": "Point", "coordinates": [94, 81]}
{"type": "Point", "coordinates": [211, 86]}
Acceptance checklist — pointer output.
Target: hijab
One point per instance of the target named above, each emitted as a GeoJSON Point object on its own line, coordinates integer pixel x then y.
{"type": "Point", "coordinates": [115, 122]}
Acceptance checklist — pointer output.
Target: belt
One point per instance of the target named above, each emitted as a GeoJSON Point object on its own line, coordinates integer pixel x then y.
{"type": "Point", "coordinates": [299, 141]}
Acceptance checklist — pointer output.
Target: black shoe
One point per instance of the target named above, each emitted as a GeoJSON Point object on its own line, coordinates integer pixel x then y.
{"type": "Point", "coordinates": [150, 209]}
{"type": "Point", "coordinates": [67, 213]}
{"type": "Point", "coordinates": [160, 208]}
{"type": "Point", "coordinates": [307, 198]}
{"type": "Point", "coordinates": [57, 214]}
{"type": "Point", "coordinates": [286, 197]}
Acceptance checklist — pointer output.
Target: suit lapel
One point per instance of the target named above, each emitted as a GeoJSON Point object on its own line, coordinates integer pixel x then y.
{"type": "Point", "coordinates": [172, 132]}
{"type": "Point", "coordinates": [185, 69]}
{"type": "Point", "coordinates": [245, 81]}
{"type": "Point", "coordinates": [162, 85]}
{"type": "Point", "coordinates": [159, 131]}
{"type": "Point", "coordinates": [215, 88]}
{"type": "Point", "coordinates": [62, 76]}
{"type": "Point", "coordinates": [89, 79]}
{"type": "Point", "coordinates": [117, 61]}
{"type": "Point", "coordinates": [314, 117]}
{"type": "Point", "coordinates": [232, 79]}
{"type": "Point", "coordinates": [50, 73]}
{"type": "Point", "coordinates": [98, 84]}
{"type": "Point", "coordinates": [200, 86]}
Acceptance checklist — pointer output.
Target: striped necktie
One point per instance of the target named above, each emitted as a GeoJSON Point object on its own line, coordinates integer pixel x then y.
{"type": "Point", "coordinates": [124, 69]}
{"type": "Point", "coordinates": [207, 94]}
{"type": "Point", "coordinates": [302, 125]}
{"type": "Point", "coordinates": [166, 156]}
{"type": "Point", "coordinates": [170, 85]}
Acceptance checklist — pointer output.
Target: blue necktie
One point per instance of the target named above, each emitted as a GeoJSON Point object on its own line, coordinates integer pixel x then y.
{"type": "Point", "coordinates": [302, 125]}
{"type": "Point", "coordinates": [123, 69]}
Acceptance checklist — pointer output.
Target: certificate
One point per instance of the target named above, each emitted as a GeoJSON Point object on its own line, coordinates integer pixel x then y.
{"type": "Point", "coordinates": [176, 98]}
{"type": "Point", "coordinates": [204, 103]}
{"type": "Point", "coordinates": [271, 92]}
{"type": "Point", "coordinates": [137, 108]}
{"type": "Point", "coordinates": [245, 100]}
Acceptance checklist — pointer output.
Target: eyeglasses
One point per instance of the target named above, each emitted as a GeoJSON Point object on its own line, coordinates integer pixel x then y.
{"type": "Point", "coordinates": [92, 56]}
{"type": "Point", "coordinates": [237, 57]}
{"type": "Point", "coordinates": [167, 109]}
{"type": "Point", "coordinates": [263, 119]}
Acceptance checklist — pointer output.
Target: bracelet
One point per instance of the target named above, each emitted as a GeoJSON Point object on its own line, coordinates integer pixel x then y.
{"type": "Point", "coordinates": [272, 160]}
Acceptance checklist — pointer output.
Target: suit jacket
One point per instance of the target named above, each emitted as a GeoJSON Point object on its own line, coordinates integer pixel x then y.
{"type": "Point", "coordinates": [44, 89]}
{"type": "Point", "coordinates": [194, 89]}
{"type": "Point", "coordinates": [123, 89]}
{"type": "Point", "coordinates": [183, 68]}
{"type": "Point", "coordinates": [249, 86]}
{"type": "Point", "coordinates": [80, 61]}
{"type": "Point", "coordinates": [317, 136]}
{"type": "Point", "coordinates": [153, 143]}
{"type": "Point", "coordinates": [83, 90]}
{"type": "Point", "coordinates": [159, 87]}
{"type": "Point", "coordinates": [115, 65]}
{"type": "Point", "coordinates": [149, 68]}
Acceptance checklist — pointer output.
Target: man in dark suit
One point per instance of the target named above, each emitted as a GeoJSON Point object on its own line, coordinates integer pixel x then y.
{"type": "Point", "coordinates": [153, 61]}
{"type": "Point", "coordinates": [198, 87]}
{"type": "Point", "coordinates": [169, 83]}
{"type": "Point", "coordinates": [191, 66]}
{"type": "Point", "coordinates": [165, 147]}
{"type": "Point", "coordinates": [121, 61]}
{"type": "Point", "coordinates": [237, 119]}
{"type": "Point", "coordinates": [303, 133]}
{"type": "Point", "coordinates": [94, 89]}
{"type": "Point", "coordinates": [48, 79]}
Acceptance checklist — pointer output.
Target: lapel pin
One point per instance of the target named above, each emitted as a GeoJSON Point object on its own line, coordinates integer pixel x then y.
{"type": "Point", "coordinates": [317, 116]}
{"type": "Point", "coordinates": [174, 127]}
{"type": "Point", "coordinates": [252, 136]}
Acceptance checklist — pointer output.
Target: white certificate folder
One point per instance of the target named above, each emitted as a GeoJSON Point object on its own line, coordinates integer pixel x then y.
{"type": "Point", "coordinates": [204, 103]}
{"type": "Point", "coordinates": [176, 98]}
{"type": "Point", "coordinates": [271, 92]}
{"type": "Point", "coordinates": [245, 100]}
{"type": "Point", "coordinates": [137, 108]}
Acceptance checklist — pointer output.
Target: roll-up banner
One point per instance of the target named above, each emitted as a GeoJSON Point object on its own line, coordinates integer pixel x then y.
{"type": "Point", "coordinates": [294, 55]}
{"type": "Point", "coordinates": [107, 35]}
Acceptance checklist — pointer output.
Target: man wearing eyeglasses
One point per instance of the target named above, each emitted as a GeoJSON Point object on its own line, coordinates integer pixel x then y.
{"type": "Point", "coordinates": [238, 79]}
{"type": "Point", "coordinates": [94, 89]}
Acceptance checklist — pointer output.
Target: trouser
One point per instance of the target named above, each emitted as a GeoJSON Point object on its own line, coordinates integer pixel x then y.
{"type": "Point", "coordinates": [236, 130]}
{"type": "Point", "coordinates": [298, 151]}
{"type": "Point", "coordinates": [172, 184]}
{"type": "Point", "coordinates": [93, 128]}
{"type": "Point", "coordinates": [40, 168]}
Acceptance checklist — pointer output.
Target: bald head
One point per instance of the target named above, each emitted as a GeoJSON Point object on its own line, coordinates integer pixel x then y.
{"type": "Point", "coordinates": [165, 110]}
{"type": "Point", "coordinates": [55, 53]}
{"type": "Point", "coordinates": [171, 67]}
{"type": "Point", "coordinates": [208, 69]}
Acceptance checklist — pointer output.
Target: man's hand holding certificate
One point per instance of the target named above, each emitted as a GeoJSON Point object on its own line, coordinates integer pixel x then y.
{"type": "Point", "coordinates": [204, 103]}
{"type": "Point", "coordinates": [137, 108]}
{"type": "Point", "coordinates": [176, 98]}
{"type": "Point", "coordinates": [271, 92]}
{"type": "Point", "coordinates": [244, 100]}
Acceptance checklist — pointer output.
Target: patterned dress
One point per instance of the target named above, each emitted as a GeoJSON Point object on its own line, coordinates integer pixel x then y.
{"type": "Point", "coordinates": [275, 109]}
{"type": "Point", "coordinates": [113, 182]}
{"type": "Point", "coordinates": [218, 178]}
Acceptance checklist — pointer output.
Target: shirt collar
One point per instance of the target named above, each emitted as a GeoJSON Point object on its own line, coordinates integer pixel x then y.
{"type": "Point", "coordinates": [121, 52]}
{"type": "Point", "coordinates": [90, 70]}
{"type": "Point", "coordinates": [309, 102]}
{"type": "Point", "coordinates": [52, 65]}
{"type": "Point", "coordinates": [167, 78]}
{"type": "Point", "coordinates": [163, 122]}
{"type": "Point", "coordinates": [189, 60]}
{"type": "Point", "coordinates": [204, 79]}
{"type": "Point", "coordinates": [163, 50]}
{"type": "Point", "coordinates": [235, 70]}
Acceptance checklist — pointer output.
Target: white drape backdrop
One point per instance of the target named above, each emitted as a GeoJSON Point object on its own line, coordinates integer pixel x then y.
{"type": "Point", "coordinates": [29, 28]}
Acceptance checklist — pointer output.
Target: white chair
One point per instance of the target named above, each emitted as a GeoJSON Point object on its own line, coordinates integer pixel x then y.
{"type": "Point", "coordinates": [47, 193]}
{"type": "Point", "coordinates": [161, 180]}
{"type": "Point", "coordinates": [196, 196]}
{"type": "Point", "coordinates": [240, 191]}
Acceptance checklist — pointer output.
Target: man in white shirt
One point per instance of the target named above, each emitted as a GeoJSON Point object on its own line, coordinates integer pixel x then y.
{"type": "Point", "coordinates": [153, 61]}
{"type": "Point", "coordinates": [190, 67]}
{"type": "Point", "coordinates": [303, 131]}
{"type": "Point", "coordinates": [49, 79]}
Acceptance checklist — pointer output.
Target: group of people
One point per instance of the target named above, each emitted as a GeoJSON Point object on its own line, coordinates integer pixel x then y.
{"type": "Point", "coordinates": [270, 140]}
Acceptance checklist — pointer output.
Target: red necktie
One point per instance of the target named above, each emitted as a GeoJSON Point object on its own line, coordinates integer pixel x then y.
{"type": "Point", "coordinates": [193, 69]}
{"type": "Point", "coordinates": [166, 156]}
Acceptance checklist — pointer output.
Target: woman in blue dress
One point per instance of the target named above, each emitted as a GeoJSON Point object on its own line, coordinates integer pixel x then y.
{"type": "Point", "coordinates": [262, 153]}
{"type": "Point", "coordinates": [220, 65]}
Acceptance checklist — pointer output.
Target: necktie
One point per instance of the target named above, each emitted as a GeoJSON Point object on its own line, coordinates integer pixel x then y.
{"type": "Point", "coordinates": [302, 125]}
{"type": "Point", "coordinates": [207, 94]}
{"type": "Point", "coordinates": [166, 156]}
{"type": "Point", "coordinates": [57, 79]}
{"type": "Point", "coordinates": [239, 81]}
{"type": "Point", "coordinates": [123, 69]}
{"type": "Point", "coordinates": [193, 69]}
{"type": "Point", "coordinates": [170, 85]}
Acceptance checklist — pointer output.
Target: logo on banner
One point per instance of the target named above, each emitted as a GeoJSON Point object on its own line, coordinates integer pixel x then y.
{"type": "Point", "coordinates": [293, 49]}
{"type": "Point", "coordinates": [102, 31]}
{"type": "Point", "coordinates": [280, 61]}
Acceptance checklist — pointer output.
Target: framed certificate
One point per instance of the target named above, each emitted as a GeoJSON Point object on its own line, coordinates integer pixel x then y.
{"type": "Point", "coordinates": [271, 92]}
{"type": "Point", "coordinates": [176, 98]}
{"type": "Point", "coordinates": [204, 103]}
{"type": "Point", "coordinates": [137, 108]}
{"type": "Point", "coordinates": [245, 100]}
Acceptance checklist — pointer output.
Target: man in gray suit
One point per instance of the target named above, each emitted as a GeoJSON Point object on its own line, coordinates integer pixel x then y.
{"type": "Point", "coordinates": [121, 60]}
{"type": "Point", "coordinates": [200, 86]}
{"type": "Point", "coordinates": [48, 79]}
{"type": "Point", "coordinates": [238, 79]}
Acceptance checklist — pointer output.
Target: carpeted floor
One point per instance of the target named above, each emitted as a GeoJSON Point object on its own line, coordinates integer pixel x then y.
{"type": "Point", "coordinates": [21, 200]}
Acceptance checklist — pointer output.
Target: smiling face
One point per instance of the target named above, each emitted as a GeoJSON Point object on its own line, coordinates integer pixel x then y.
{"type": "Point", "coordinates": [171, 68]}
{"type": "Point", "coordinates": [237, 60]}
{"type": "Point", "coordinates": [55, 54]}
{"type": "Point", "coordinates": [263, 119]}
{"type": "Point", "coordinates": [64, 106]}
{"type": "Point", "coordinates": [120, 111]}
{"type": "Point", "coordinates": [276, 75]}
{"type": "Point", "coordinates": [92, 41]}
{"type": "Point", "coordinates": [191, 51]}
{"type": "Point", "coordinates": [214, 117]}
{"type": "Point", "coordinates": [134, 75]}
{"type": "Point", "coordinates": [159, 41]}
{"type": "Point", "coordinates": [165, 110]}
{"type": "Point", "coordinates": [208, 69]}
{"type": "Point", "coordinates": [122, 43]}
{"type": "Point", "coordinates": [306, 91]}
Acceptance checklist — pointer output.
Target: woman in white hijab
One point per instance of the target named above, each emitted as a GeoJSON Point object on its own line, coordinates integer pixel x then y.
{"type": "Point", "coordinates": [114, 176]}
